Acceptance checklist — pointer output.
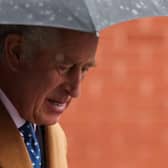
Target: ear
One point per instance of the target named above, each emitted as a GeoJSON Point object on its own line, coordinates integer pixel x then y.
{"type": "Point", "coordinates": [12, 51]}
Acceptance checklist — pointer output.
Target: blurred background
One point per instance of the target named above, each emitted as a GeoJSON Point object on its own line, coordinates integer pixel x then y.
{"type": "Point", "coordinates": [121, 118]}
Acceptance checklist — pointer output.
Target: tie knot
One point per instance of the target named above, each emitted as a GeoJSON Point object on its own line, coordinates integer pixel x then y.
{"type": "Point", "coordinates": [27, 130]}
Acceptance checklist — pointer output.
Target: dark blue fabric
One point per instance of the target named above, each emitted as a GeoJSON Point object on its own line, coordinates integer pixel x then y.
{"type": "Point", "coordinates": [32, 144]}
{"type": "Point", "coordinates": [40, 134]}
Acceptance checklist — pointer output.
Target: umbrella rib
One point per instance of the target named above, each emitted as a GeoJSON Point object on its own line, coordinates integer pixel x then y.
{"type": "Point", "coordinates": [79, 20]}
{"type": "Point", "coordinates": [93, 25]}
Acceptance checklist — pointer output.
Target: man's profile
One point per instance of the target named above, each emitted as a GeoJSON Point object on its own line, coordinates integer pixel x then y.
{"type": "Point", "coordinates": [40, 73]}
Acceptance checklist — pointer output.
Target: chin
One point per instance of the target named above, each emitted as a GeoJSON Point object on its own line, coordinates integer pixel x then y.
{"type": "Point", "coordinates": [48, 122]}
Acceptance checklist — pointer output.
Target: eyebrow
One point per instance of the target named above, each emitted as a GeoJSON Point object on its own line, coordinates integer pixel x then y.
{"type": "Point", "coordinates": [91, 64]}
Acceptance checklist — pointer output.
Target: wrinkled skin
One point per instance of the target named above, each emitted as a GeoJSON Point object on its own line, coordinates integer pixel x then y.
{"type": "Point", "coordinates": [43, 88]}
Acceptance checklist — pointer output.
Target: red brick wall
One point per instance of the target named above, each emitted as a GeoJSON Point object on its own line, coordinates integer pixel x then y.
{"type": "Point", "coordinates": [121, 117]}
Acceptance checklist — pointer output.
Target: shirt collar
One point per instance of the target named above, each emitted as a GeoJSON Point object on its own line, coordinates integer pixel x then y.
{"type": "Point", "coordinates": [18, 120]}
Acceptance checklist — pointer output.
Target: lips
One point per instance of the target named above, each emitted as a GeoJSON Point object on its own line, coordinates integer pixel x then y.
{"type": "Point", "coordinates": [56, 106]}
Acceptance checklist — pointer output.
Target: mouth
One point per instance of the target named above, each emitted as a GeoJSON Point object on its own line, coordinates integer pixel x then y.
{"type": "Point", "coordinates": [56, 106]}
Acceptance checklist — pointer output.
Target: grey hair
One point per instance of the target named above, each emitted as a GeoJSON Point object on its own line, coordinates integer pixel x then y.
{"type": "Point", "coordinates": [33, 36]}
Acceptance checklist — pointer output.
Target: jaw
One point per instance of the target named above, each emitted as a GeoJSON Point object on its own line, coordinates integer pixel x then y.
{"type": "Point", "coordinates": [50, 113]}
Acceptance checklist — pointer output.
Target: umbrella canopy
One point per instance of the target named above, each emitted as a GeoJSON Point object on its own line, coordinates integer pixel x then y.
{"type": "Point", "coordinates": [83, 15]}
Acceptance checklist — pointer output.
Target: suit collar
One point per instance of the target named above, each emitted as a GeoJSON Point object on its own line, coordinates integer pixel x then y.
{"type": "Point", "coordinates": [19, 121]}
{"type": "Point", "coordinates": [13, 150]}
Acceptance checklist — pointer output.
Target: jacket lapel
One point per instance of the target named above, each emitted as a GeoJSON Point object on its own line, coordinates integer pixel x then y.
{"type": "Point", "coordinates": [13, 151]}
{"type": "Point", "coordinates": [56, 147]}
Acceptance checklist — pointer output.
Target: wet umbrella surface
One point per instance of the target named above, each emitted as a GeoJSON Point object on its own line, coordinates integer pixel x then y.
{"type": "Point", "coordinates": [84, 15]}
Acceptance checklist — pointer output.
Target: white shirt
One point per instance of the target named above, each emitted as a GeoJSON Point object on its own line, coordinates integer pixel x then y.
{"type": "Point", "coordinates": [18, 120]}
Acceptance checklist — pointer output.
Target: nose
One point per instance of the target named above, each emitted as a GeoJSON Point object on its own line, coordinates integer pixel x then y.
{"type": "Point", "coordinates": [73, 83]}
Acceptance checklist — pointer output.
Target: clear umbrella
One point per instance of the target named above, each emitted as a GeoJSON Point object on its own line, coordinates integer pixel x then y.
{"type": "Point", "coordinates": [84, 15]}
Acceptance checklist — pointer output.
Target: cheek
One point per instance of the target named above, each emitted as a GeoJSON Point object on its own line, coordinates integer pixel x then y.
{"type": "Point", "coordinates": [39, 84]}
{"type": "Point", "coordinates": [52, 78]}
{"type": "Point", "coordinates": [48, 81]}
{"type": "Point", "coordinates": [45, 85]}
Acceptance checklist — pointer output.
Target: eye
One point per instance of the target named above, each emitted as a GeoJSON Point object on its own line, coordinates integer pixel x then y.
{"type": "Point", "coordinates": [64, 68]}
{"type": "Point", "coordinates": [85, 68]}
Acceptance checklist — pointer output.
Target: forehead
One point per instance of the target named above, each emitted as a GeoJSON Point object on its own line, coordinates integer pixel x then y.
{"type": "Point", "coordinates": [78, 43]}
{"type": "Point", "coordinates": [75, 46]}
{"type": "Point", "coordinates": [70, 36]}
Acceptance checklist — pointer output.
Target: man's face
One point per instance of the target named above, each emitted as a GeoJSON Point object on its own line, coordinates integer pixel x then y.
{"type": "Point", "coordinates": [53, 78]}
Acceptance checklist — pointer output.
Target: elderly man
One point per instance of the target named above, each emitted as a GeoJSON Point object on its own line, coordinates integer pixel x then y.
{"type": "Point", "coordinates": [40, 72]}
